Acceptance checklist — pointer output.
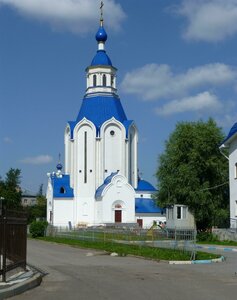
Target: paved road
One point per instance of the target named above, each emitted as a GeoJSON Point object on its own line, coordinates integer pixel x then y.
{"type": "Point", "coordinates": [75, 274]}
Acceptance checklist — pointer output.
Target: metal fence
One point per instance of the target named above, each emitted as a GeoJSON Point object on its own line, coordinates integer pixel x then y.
{"type": "Point", "coordinates": [13, 235]}
{"type": "Point", "coordinates": [180, 239]}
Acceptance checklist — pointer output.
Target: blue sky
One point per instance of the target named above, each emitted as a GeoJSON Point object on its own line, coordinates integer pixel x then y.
{"type": "Point", "coordinates": [176, 61]}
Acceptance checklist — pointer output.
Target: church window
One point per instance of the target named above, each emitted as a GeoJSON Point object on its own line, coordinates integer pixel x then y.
{"type": "Point", "coordinates": [106, 170]}
{"type": "Point", "coordinates": [112, 80]}
{"type": "Point", "coordinates": [104, 80]}
{"type": "Point", "coordinates": [112, 132]}
{"type": "Point", "coordinates": [85, 157]}
{"type": "Point", "coordinates": [235, 170]}
{"type": "Point", "coordinates": [178, 212]}
{"type": "Point", "coordinates": [62, 190]}
{"type": "Point", "coordinates": [118, 206]}
{"type": "Point", "coordinates": [94, 80]}
{"type": "Point", "coordinates": [90, 171]}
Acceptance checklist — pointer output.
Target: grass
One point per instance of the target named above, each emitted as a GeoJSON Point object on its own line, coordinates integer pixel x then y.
{"type": "Point", "coordinates": [124, 249]}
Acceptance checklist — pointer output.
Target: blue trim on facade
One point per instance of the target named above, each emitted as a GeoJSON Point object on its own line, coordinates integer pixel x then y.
{"type": "Point", "coordinates": [61, 187]}
{"type": "Point", "coordinates": [144, 185]}
{"type": "Point", "coordinates": [147, 205]}
{"type": "Point", "coordinates": [107, 181]}
{"type": "Point", "coordinates": [233, 131]}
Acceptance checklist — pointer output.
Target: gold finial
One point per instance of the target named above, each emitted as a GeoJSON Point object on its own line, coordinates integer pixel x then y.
{"type": "Point", "coordinates": [101, 13]}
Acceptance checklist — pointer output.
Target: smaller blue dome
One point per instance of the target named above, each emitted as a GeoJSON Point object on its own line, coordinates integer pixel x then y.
{"type": "Point", "coordinates": [144, 185]}
{"type": "Point", "coordinates": [59, 166]}
{"type": "Point", "coordinates": [101, 35]}
{"type": "Point", "coordinates": [101, 59]}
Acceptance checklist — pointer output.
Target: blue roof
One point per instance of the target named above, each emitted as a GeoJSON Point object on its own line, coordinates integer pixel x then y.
{"type": "Point", "coordinates": [101, 59]}
{"type": "Point", "coordinates": [99, 109]}
{"type": "Point", "coordinates": [144, 185]}
{"type": "Point", "coordinates": [147, 205]}
{"type": "Point", "coordinates": [107, 181]}
{"type": "Point", "coordinates": [61, 187]}
{"type": "Point", "coordinates": [233, 131]}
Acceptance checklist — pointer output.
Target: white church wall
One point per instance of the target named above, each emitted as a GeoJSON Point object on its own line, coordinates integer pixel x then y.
{"type": "Point", "coordinates": [85, 211]}
{"type": "Point", "coordinates": [63, 212]}
{"type": "Point", "coordinates": [67, 145]}
{"type": "Point", "coordinates": [143, 194]}
{"type": "Point", "coordinates": [84, 162]}
{"type": "Point", "coordinates": [119, 195]}
{"type": "Point", "coordinates": [112, 147]}
{"type": "Point", "coordinates": [49, 196]}
{"type": "Point", "coordinates": [132, 156]}
{"type": "Point", "coordinates": [98, 85]}
{"type": "Point", "coordinates": [233, 181]}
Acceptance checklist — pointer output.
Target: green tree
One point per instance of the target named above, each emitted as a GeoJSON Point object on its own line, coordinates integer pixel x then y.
{"type": "Point", "coordinates": [37, 211]}
{"type": "Point", "coordinates": [193, 172]}
{"type": "Point", "coordinates": [10, 188]}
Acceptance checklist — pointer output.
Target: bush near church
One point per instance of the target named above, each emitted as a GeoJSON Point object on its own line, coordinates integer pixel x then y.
{"type": "Point", "coordinates": [37, 228]}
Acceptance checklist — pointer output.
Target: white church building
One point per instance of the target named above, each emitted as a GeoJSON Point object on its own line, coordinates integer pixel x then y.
{"type": "Point", "coordinates": [100, 183]}
{"type": "Point", "coordinates": [230, 143]}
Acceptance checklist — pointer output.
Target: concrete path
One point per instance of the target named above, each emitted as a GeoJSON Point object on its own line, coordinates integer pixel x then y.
{"type": "Point", "coordinates": [86, 274]}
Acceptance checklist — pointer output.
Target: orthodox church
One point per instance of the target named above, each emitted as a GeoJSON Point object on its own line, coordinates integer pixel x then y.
{"type": "Point", "coordinates": [100, 183]}
{"type": "Point", "coordinates": [230, 143]}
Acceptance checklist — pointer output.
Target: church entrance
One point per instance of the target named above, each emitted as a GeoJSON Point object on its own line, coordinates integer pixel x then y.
{"type": "Point", "coordinates": [118, 216]}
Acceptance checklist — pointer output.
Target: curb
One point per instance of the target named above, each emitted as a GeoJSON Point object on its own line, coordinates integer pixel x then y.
{"type": "Point", "coordinates": [21, 287]}
{"type": "Point", "coordinates": [217, 248]}
{"type": "Point", "coordinates": [195, 262]}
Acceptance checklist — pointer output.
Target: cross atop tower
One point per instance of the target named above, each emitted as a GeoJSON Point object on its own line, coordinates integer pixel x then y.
{"type": "Point", "coordinates": [101, 13]}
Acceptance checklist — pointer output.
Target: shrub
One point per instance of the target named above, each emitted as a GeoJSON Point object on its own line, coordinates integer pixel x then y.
{"type": "Point", "coordinates": [37, 228]}
{"type": "Point", "coordinates": [206, 236]}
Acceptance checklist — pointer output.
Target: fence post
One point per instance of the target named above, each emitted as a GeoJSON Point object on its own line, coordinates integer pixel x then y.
{"type": "Point", "coordinates": [4, 246]}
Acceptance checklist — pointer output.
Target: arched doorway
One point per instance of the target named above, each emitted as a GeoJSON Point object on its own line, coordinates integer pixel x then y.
{"type": "Point", "coordinates": [117, 208]}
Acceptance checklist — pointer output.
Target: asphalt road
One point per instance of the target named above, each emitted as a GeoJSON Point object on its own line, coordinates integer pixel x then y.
{"type": "Point", "coordinates": [86, 274]}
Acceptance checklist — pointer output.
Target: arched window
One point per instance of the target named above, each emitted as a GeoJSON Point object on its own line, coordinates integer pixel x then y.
{"type": "Point", "coordinates": [62, 190]}
{"type": "Point", "coordinates": [104, 80]}
{"type": "Point", "coordinates": [94, 80]}
{"type": "Point", "coordinates": [112, 80]}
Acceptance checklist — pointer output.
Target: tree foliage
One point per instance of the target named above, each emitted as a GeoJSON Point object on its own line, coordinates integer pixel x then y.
{"type": "Point", "coordinates": [193, 172]}
{"type": "Point", "coordinates": [10, 188]}
{"type": "Point", "coordinates": [37, 211]}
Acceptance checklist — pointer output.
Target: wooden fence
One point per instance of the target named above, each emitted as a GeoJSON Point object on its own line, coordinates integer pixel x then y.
{"type": "Point", "coordinates": [13, 239]}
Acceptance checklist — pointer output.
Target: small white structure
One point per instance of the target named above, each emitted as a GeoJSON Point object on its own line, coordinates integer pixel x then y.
{"type": "Point", "coordinates": [101, 183]}
{"type": "Point", "coordinates": [230, 143]}
{"type": "Point", "coordinates": [179, 216]}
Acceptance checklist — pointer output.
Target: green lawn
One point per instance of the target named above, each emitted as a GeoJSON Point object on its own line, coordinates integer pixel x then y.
{"type": "Point", "coordinates": [136, 250]}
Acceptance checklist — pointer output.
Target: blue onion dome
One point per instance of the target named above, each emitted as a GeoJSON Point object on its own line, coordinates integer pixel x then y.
{"type": "Point", "coordinates": [59, 166]}
{"type": "Point", "coordinates": [101, 35]}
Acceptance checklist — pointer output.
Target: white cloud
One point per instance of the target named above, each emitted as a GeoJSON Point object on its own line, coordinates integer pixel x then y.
{"type": "Point", "coordinates": [152, 81]}
{"type": "Point", "coordinates": [77, 16]}
{"type": "Point", "coordinates": [37, 160]}
{"type": "Point", "coordinates": [7, 140]}
{"type": "Point", "coordinates": [202, 102]}
{"type": "Point", "coordinates": [209, 20]}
